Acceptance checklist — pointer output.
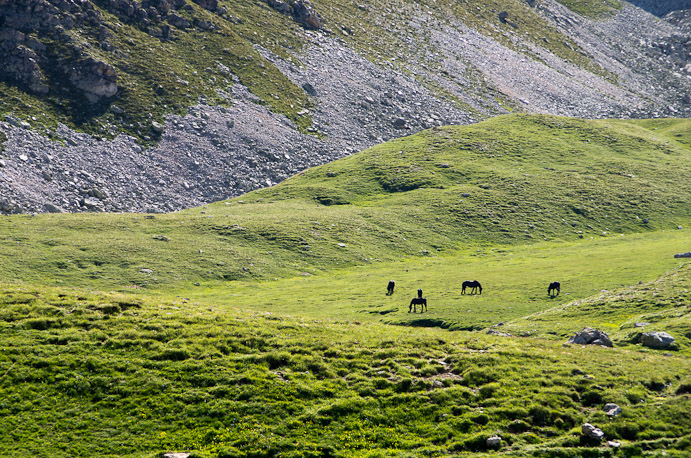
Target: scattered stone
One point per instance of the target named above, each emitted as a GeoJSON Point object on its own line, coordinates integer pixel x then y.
{"type": "Point", "coordinates": [162, 238]}
{"type": "Point", "coordinates": [91, 203]}
{"type": "Point", "coordinates": [342, 245]}
{"type": "Point", "coordinates": [493, 441]}
{"type": "Point", "coordinates": [656, 340]}
{"type": "Point", "coordinates": [146, 271]}
{"type": "Point", "coordinates": [50, 208]}
{"type": "Point", "coordinates": [612, 409]}
{"type": "Point", "coordinates": [176, 455]}
{"type": "Point", "coordinates": [465, 194]}
{"type": "Point", "coordinates": [310, 89]}
{"type": "Point", "coordinates": [157, 127]}
{"type": "Point", "coordinates": [613, 444]}
{"type": "Point", "coordinates": [640, 324]}
{"type": "Point", "coordinates": [592, 432]}
{"type": "Point", "coordinates": [590, 336]}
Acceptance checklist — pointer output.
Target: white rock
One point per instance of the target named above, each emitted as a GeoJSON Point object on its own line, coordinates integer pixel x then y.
{"type": "Point", "coordinates": [493, 441]}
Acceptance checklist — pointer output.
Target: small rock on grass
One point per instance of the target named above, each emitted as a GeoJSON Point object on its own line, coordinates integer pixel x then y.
{"type": "Point", "coordinates": [592, 432]}
{"type": "Point", "coordinates": [612, 409]}
{"type": "Point", "coordinates": [493, 441]}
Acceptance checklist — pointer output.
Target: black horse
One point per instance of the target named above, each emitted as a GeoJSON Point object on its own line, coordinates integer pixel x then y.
{"type": "Point", "coordinates": [390, 287]}
{"type": "Point", "coordinates": [474, 285]}
{"type": "Point", "coordinates": [554, 286]}
{"type": "Point", "coordinates": [414, 303]}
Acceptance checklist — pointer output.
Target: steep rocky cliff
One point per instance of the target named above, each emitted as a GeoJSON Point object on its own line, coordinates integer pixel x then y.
{"type": "Point", "coordinates": [157, 105]}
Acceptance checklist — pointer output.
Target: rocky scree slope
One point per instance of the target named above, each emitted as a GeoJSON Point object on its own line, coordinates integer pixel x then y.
{"type": "Point", "coordinates": [122, 105]}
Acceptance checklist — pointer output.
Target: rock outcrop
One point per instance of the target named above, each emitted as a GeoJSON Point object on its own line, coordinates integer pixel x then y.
{"type": "Point", "coordinates": [590, 336]}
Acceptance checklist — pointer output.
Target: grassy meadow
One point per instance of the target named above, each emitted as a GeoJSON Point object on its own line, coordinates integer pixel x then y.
{"type": "Point", "coordinates": [259, 326]}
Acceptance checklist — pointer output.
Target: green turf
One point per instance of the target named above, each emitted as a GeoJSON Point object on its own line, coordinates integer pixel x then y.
{"type": "Point", "coordinates": [87, 374]}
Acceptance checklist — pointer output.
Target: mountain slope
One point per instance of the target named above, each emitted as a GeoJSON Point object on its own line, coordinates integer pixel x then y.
{"type": "Point", "coordinates": [228, 96]}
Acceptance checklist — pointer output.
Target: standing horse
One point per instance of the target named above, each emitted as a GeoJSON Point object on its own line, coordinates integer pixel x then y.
{"type": "Point", "coordinates": [554, 286]}
{"type": "Point", "coordinates": [414, 303]}
{"type": "Point", "coordinates": [390, 287]}
{"type": "Point", "coordinates": [474, 285]}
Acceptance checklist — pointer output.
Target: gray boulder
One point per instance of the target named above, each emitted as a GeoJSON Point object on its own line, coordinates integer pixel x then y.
{"type": "Point", "coordinates": [592, 432]}
{"type": "Point", "coordinates": [612, 409]}
{"type": "Point", "coordinates": [657, 340]}
{"type": "Point", "coordinates": [493, 441]}
{"type": "Point", "coordinates": [590, 336]}
{"type": "Point", "coordinates": [683, 255]}
{"type": "Point", "coordinates": [305, 14]}
{"type": "Point", "coordinates": [96, 79]}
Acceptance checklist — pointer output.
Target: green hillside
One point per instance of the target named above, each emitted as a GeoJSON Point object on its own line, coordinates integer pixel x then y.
{"type": "Point", "coordinates": [512, 180]}
{"type": "Point", "coordinates": [259, 326]}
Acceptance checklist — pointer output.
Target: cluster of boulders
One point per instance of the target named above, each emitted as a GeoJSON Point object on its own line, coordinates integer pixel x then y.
{"type": "Point", "coordinates": [301, 10]}
{"type": "Point", "coordinates": [30, 33]}
{"type": "Point", "coordinates": [34, 35]}
{"type": "Point", "coordinates": [657, 340]}
{"type": "Point", "coordinates": [590, 336]}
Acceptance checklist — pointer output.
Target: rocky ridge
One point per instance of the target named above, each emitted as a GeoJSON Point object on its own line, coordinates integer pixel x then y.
{"type": "Point", "coordinates": [449, 73]}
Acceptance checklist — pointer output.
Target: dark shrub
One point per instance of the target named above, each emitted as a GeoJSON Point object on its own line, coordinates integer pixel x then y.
{"type": "Point", "coordinates": [684, 388]}
{"type": "Point", "coordinates": [518, 426]}
{"type": "Point", "coordinates": [539, 415]}
{"type": "Point", "coordinates": [481, 419]}
{"type": "Point", "coordinates": [591, 398]}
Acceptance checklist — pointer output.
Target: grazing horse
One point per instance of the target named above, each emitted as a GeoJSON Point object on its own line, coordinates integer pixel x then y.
{"type": "Point", "coordinates": [390, 287]}
{"type": "Point", "coordinates": [414, 303]}
{"type": "Point", "coordinates": [474, 285]}
{"type": "Point", "coordinates": [554, 286]}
